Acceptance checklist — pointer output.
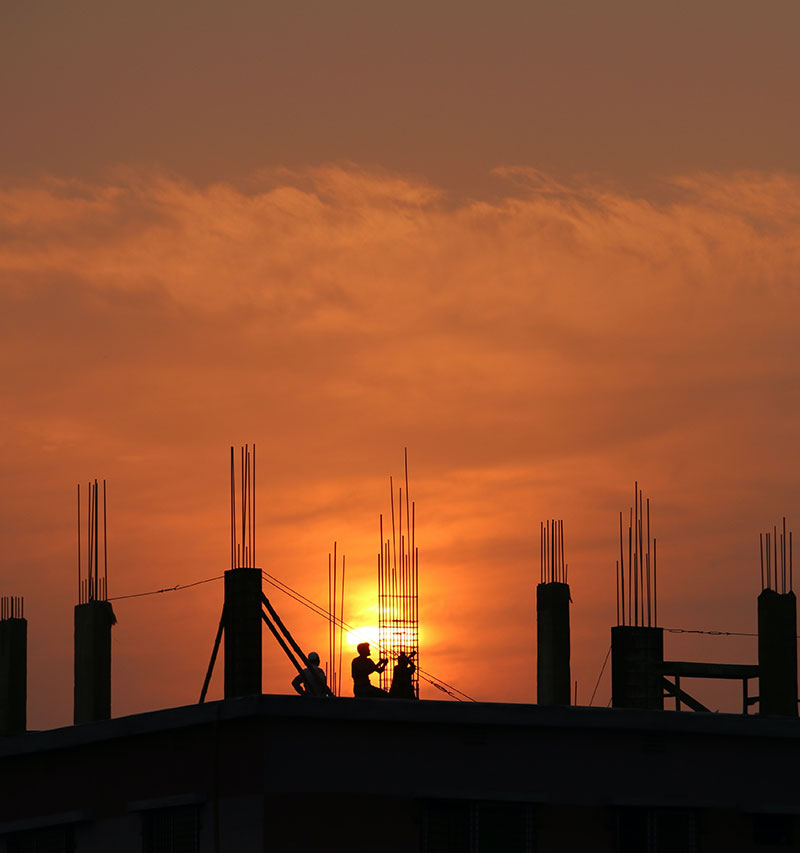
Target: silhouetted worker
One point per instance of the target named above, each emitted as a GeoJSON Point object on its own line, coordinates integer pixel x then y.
{"type": "Point", "coordinates": [362, 667]}
{"type": "Point", "coordinates": [312, 680]}
{"type": "Point", "coordinates": [402, 683]}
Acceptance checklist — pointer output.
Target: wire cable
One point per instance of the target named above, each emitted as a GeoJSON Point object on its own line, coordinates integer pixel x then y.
{"type": "Point", "coordinates": [602, 670]}
{"type": "Point", "coordinates": [440, 685]}
{"type": "Point", "coordinates": [443, 686]}
{"type": "Point", "coordinates": [166, 589]}
{"type": "Point", "coordinates": [711, 633]}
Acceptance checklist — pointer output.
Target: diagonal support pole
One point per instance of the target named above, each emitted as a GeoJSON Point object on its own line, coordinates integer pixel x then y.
{"type": "Point", "coordinates": [284, 630]}
{"type": "Point", "coordinates": [293, 660]}
{"type": "Point", "coordinates": [674, 690]}
{"type": "Point", "coordinates": [213, 660]}
{"type": "Point", "coordinates": [283, 642]}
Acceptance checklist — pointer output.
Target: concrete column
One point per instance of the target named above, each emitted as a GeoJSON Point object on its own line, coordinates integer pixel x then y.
{"type": "Point", "coordinates": [554, 682]}
{"type": "Point", "coordinates": [777, 653]}
{"type": "Point", "coordinates": [242, 632]}
{"type": "Point", "coordinates": [93, 621]}
{"type": "Point", "coordinates": [13, 676]}
{"type": "Point", "coordinates": [637, 657]}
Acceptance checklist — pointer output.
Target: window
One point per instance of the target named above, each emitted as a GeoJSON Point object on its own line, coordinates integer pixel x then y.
{"type": "Point", "coordinates": [460, 826]}
{"type": "Point", "coordinates": [447, 828]}
{"type": "Point", "coordinates": [651, 830]}
{"type": "Point", "coordinates": [173, 830]}
{"type": "Point", "coordinates": [503, 827]}
{"type": "Point", "coordinates": [52, 839]}
{"type": "Point", "coordinates": [776, 830]}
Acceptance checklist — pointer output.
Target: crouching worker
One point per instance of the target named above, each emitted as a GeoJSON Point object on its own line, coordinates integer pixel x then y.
{"type": "Point", "coordinates": [362, 667]}
{"type": "Point", "coordinates": [402, 681]}
{"type": "Point", "coordinates": [312, 680]}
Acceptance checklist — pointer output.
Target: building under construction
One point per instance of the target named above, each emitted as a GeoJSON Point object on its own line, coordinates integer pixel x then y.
{"type": "Point", "coordinates": [256, 772]}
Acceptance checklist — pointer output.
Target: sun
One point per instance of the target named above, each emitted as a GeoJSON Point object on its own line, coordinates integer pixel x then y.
{"type": "Point", "coordinates": [367, 634]}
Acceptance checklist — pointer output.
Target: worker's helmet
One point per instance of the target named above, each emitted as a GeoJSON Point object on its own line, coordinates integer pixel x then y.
{"type": "Point", "coordinates": [313, 657]}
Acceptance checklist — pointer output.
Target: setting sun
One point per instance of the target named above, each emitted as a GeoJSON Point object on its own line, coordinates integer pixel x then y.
{"type": "Point", "coordinates": [367, 634]}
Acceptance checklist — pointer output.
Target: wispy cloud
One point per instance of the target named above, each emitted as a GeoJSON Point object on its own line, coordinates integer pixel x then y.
{"type": "Point", "coordinates": [536, 351]}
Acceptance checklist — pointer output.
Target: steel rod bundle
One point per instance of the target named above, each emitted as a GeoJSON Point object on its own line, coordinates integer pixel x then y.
{"type": "Point", "coordinates": [335, 623]}
{"type": "Point", "coordinates": [93, 587]}
{"type": "Point", "coordinates": [243, 528]}
{"type": "Point", "coordinates": [637, 600]}
{"type": "Point", "coordinates": [398, 585]}
{"type": "Point", "coordinates": [12, 607]}
{"type": "Point", "coordinates": [776, 559]}
{"type": "Point", "coordinates": [552, 566]}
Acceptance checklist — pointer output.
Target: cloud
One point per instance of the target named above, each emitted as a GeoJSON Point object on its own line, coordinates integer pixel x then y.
{"type": "Point", "coordinates": [536, 352]}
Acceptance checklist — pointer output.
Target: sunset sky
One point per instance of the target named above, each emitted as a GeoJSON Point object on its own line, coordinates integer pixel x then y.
{"type": "Point", "coordinates": [551, 248]}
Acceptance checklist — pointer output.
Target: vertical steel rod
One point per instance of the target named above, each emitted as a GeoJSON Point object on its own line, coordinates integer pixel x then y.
{"type": "Point", "coordinates": [641, 557]}
{"type": "Point", "coordinates": [254, 505]}
{"type": "Point", "coordinates": [242, 498]}
{"type": "Point", "coordinates": [636, 550]}
{"type": "Point", "coordinates": [655, 588]}
{"type": "Point", "coordinates": [408, 519]}
{"type": "Point", "coordinates": [394, 539]}
{"type": "Point", "coordinates": [105, 545]}
{"type": "Point", "coordinates": [89, 534]}
{"type": "Point", "coordinates": [648, 562]}
{"type": "Point", "coordinates": [333, 616]}
{"type": "Point", "coordinates": [341, 628]}
{"type": "Point", "coordinates": [541, 552]}
{"type": "Point", "coordinates": [622, 571]}
{"type": "Point", "coordinates": [630, 567]}
{"type": "Point", "coordinates": [79, 544]}
{"type": "Point", "coordinates": [233, 513]}
{"type": "Point", "coordinates": [783, 554]}
{"type": "Point", "coordinates": [96, 539]}
{"type": "Point", "coordinates": [769, 552]}
{"type": "Point", "coordinates": [775, 553]}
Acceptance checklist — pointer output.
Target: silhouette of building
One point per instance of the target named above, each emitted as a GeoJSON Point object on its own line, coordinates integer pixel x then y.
{"type": "Point", "coordinates": [286, 773]}
{"type": "Point", "coordinates": [253, 772]}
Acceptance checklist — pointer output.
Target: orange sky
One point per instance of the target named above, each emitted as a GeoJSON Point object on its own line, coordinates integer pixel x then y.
{"type": "Point", "coordinates": [549, 253]}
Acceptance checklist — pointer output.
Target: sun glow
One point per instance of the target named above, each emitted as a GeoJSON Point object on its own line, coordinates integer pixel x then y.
{"type": "Point", "coordinates": [367, 634]}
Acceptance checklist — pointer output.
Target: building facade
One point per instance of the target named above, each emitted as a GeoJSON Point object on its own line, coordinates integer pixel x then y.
{"type": "Point", "coordinates": [286, 773]}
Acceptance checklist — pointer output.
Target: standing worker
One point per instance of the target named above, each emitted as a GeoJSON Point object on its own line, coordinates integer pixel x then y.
{"type": "Point", "coordinates": [362, 667]}
{"type": "Point", "coordinates": [312, 680]}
